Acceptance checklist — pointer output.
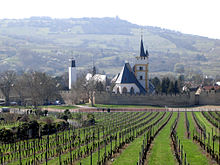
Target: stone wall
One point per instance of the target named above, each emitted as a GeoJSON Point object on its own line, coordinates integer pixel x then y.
{"type": "Point", "coordinates": [205, 98]}
{"type": "Point", "coordinates": [209, 98]}
{"type": "Point", "coordinates": [158, 100]}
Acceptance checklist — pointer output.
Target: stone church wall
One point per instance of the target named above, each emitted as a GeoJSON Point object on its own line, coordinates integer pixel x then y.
{"type": "Point", "coordinates": [205, 98]}
{"type": "Point", "coordinates": [158, 100]}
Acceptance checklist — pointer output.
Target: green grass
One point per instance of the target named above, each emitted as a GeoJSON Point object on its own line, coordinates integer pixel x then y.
{"type": "Point", "coordinates": [17, 106]}
{"type": "Point", "coordinates": [59, 107]}
{"type": "Point", "coordinates": [161, 151]}
{"type": "Point", "coordinates": [131, 154]}
{"type": "Point", "coordinates": [48, 106]}
{"type": "Point", "coordinates": [209, 127]}
{"type": "Point", "coordinates": [95, 154]}
{"type": "Point", "coordinates": [193, 151]}
{"type": "Point", "coordinates": [87, 159]}
{"type": "Point", "coordinates": [8, 126]}
{"type": "Point", "coordinates": [126, 106]}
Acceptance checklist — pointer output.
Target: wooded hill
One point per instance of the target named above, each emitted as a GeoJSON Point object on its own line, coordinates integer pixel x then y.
{"type": "Point", "coordinates": [45, 44]}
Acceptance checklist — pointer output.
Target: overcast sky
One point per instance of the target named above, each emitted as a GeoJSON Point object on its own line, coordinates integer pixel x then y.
{"type": "Point", "coordinates": [200, 17]}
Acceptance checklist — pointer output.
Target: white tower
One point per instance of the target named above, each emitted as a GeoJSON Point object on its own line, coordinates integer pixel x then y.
{"type": "Point", "coordinates": [72, 73]}
{"type": "Point", "coordinates": [141, 67]}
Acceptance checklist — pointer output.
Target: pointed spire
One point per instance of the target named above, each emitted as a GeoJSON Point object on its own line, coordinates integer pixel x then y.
{"type": "Point", "coordinates": [147, 54]}
{"type": "Point", "coordinates": [142, 53]}
{"type": "Point", "coordinates": [93, 70]}
{"type": "Point", "coordinates": [93, 67]}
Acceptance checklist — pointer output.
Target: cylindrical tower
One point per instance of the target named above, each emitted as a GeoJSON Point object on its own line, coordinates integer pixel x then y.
{"type": "Point", "coordinates": [72, 73]}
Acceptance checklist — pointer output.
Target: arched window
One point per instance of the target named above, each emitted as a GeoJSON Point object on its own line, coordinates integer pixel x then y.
{"type": "Point", "coordinates": [118, 90]}
{"type": "Point", "coordinates": [124, 90]}
{"type": "Point", "coordinates": [132, 90]}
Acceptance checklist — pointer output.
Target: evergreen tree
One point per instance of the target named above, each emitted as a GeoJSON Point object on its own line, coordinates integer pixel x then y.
{"type": "Point", "coordinates": [165, 85]}
{"type": "Point", "coordinates": [156, 82]}
{"type": "Point", "coordinates": [171, 88]}
{"type": "Point", "coordinates": [99, 86]}
{"type": "Point", "coordinates": [181, 81]}
{"type": "Point", "coordinates": [176, 87]}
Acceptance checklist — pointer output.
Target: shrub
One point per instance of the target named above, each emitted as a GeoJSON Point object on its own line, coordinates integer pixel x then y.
{"type": "Point", "coordinates": [6, 135]}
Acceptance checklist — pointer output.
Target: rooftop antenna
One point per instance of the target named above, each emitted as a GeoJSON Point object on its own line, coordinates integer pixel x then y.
{"type": "Point", "coordinates": [93, 66]}
{"type": "Point", "coordinates": [141, 33]}
{"type": "Point", "coordinates": [93, 61]}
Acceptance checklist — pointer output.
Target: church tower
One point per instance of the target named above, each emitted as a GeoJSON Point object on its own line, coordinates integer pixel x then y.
{"type": "Point", "coordinates": [72, 72]}
{"type": "Point", "coordinates": [141, 67]}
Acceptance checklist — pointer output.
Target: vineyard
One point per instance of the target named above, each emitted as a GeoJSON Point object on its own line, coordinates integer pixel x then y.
{"type": "Point", "coordinates": [147, 137]}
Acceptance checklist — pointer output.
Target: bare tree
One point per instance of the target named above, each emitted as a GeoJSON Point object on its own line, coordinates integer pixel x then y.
{"type": "Point", "coordinates": [63, 81]}
{"type": "Point", "coordinates": [78, 92]}
{"type": "Point", "coordinates": [39, 87]}
{"type": "Point", "coordinates": [21, 89]}
{"type": "Point", "coordinates": [90, 88]}
{"type": "Point", "coordinates": [85, 89]}
{"type": "Point", "coordinates": [7, 80]}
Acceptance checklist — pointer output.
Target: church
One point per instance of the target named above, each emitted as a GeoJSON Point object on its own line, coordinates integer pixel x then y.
{"type": "Point", "coordinates": [135, 80]}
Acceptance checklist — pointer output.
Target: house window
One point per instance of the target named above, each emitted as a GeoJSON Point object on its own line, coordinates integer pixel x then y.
{"type": "Point", "coordinates": [140, 68]}
{"type": "Point", "coordinates": [141, 77]}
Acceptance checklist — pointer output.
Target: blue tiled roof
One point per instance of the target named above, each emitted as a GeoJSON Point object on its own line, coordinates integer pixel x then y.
{"type": "Point", "coordinates": [142, 53]}
{"type": "Point", "coordinates": [127, 76]}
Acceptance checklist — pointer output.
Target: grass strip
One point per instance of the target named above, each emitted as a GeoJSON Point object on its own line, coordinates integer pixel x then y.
{"type": "Point", "coordinates": [161, 151]}
{"type": "Point", "coordinates": [131, 154]}
{"type": "Point", "coordinates": [193, 151]}
{"type": "Point", "coordinates": [209, 127]}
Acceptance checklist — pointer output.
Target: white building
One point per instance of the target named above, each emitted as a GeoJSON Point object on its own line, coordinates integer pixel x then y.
{"type": "Point", "coordinates": [134, 80]}
{"type": "Point", "coordinates": [218, 83]}
{"type": "Point", "coordinates": [72, 73]}
{"type": "Point", "coordinates": [127, 82]}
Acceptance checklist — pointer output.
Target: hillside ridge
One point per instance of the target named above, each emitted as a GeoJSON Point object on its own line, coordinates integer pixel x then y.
{"type": "Point", "coordinates": [45, 44]}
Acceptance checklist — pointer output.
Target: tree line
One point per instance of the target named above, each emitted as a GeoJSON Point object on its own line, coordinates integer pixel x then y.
{"type": "Point", "coordinates": [34, 87]}
{"type": "Point", "coordinates": [167, 85]}
{"type": "Point", "coordinates": [38, 88]}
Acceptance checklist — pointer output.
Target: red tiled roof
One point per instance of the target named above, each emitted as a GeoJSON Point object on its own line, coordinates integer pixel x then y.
{"type": "Point", "coordinates": [207, 88]}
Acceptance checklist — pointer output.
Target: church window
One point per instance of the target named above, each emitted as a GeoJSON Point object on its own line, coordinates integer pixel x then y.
{"type": "Point", "coordinates": [124, 90]}
{"type": "Point", "coordinates": [141, 77]}
{"type": "Point", "coordinates": [132, 90]}
{"type": "Point", "coordinates": [118, 91]}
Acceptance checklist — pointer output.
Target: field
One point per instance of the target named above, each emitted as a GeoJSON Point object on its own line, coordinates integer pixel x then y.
{"type": "Point", "coordinates": [120, 138]}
